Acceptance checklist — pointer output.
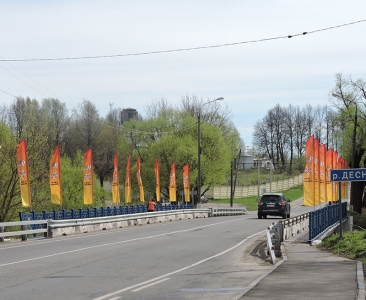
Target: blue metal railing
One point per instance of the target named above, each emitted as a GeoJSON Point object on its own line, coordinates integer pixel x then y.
{"type": "Point", "coordinates": [96, 212]}
{"type": "Point", "coordinates": [322, 219]}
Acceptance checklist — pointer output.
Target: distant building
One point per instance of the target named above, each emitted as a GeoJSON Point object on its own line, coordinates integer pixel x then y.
{"type": "Point", "coordinates": [128, 114]}
{"type": "Point", "coordinates": [249, 162]}
{"type": "Point", "coordinates": [245, 162]}
{"type": "Point", "coordinates": [264, 163]}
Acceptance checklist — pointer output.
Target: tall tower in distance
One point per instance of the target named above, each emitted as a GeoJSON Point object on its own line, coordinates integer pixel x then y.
{"type": "Point", "coordinates": [128, 114]}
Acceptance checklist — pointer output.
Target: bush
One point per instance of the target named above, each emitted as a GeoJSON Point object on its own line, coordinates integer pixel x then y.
{"type": "Point", "coordinates": [358, 219]}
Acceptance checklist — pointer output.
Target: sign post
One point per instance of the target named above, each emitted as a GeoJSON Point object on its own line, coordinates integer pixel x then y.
{"type": "Point", "coordinates": [341, 175]}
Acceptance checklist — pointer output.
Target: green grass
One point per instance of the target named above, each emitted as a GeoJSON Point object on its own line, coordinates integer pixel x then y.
{"type": "Point", "coordinates": [352, 245]}
{"type": "Point", "coordinates": [251, 202]}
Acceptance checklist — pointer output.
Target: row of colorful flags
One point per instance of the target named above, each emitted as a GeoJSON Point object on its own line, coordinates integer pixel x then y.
{"type": "Point", "coordinates": [318, 187]}
{"type": "Point", "coordinates": [88, 179]}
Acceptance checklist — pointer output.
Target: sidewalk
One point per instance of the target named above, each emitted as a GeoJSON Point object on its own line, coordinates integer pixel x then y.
{"type": "Point", "coordinates": [309, 273]}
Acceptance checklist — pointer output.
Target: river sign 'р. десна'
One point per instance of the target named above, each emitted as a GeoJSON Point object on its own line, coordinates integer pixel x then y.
{"type": "Point", "coordinates": [338, 175]}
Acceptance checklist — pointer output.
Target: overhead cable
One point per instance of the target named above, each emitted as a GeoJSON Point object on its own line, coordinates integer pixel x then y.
{"type": "Point", "coordinates": [185, 49]}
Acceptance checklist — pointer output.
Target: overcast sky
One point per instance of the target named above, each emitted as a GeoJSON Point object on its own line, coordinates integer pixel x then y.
{"type": "Point", "coordinates": [252, 77]}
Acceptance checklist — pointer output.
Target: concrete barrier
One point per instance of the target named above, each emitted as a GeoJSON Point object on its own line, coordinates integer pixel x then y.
{"type": "Point", "coordinates": [77, 226]}
{"type": "Point", "coordinates": [294, 226]}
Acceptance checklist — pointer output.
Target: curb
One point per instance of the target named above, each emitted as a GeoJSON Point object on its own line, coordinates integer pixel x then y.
{"type": "Point", "coordinates": [256, 281]}
{"type": "Point", "coordinates": [360, 282]}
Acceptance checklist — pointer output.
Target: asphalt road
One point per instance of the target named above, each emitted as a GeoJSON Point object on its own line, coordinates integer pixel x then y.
{"type": "Point", "coordinates": [216, 258]}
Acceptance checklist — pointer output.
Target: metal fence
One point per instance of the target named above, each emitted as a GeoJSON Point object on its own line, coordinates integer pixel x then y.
{"type": "Point", "coordinates": [324, 218]}
{"type": "Point", "coordinates": [96, 212]}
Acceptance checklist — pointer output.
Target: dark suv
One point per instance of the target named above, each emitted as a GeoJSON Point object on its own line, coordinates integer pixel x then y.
{"type": "Point", "coordinates": [273, 204]}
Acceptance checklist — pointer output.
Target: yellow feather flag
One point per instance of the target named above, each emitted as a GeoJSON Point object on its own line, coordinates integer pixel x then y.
{"type": "Point", "coordinates": [22, 167]}
{"type": "Point", "coordinates": [88, 178]}
{"type": "Point", "coordinates": [173, 184]}
{"type": "Point", "coordinates": [55, 177]}
{"type": "Point", "coordinates": [139, 180]}
{"type": "Point", "coordinates": [309, 172]}
{"type": "Point", "coordinates": [186, 183]}
{"type": "Point", "coordinates": [128, 188]}
{"type": "Point", "coordinates": [115, 181]}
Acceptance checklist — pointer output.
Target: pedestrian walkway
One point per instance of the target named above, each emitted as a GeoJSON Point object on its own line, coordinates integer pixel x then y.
{"type": "Point", "coordinates": [307, 272]}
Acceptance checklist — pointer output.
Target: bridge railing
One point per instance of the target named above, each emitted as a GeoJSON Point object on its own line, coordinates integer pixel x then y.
{"type": "Point", "coordinates": [324, 218]}
{"type": "Point", "coordinates": [96, 212]}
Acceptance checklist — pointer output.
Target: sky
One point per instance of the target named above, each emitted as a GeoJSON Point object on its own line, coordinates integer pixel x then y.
{"type": "Point", "coordinates": [259, 68]}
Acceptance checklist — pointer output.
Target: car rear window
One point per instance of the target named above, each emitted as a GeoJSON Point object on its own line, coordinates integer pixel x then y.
{"type": "Point", "coordinates": [271, 198]}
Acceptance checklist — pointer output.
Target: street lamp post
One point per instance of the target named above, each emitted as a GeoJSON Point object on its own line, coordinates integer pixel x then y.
{"type": "Point", "coordinates": [199, 149]}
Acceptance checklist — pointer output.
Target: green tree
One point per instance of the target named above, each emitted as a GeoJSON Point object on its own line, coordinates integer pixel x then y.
{"type": "Point", "coordinates": [173, 138]}
{"type": "Point", "coordinates": [9, 182]}
{"type": "Point", "coordinates": [72, 184]}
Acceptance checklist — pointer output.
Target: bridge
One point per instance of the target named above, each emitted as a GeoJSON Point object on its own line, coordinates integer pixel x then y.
{"type": "Point", "coordinates": [192, 258]}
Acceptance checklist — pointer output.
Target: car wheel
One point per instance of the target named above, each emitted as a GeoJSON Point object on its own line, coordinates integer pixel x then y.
{"type": "Point", "coordinates": [284, 215]}
{"type": "Point", "coordinates": [288, 216]}
{"type": "Point", "coordinates": [259, 216]}
{"type": "Point", "coordinates": [264, 216]}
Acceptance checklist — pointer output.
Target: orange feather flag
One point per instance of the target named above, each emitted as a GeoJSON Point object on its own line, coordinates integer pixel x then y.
{"type": "Point", "coordinates": [88, 178]}
{"type": "Point", "coordinates": [22, 167]}
{"type": "Point", "coordinates": [115, 181]}
{"type": "Point", "coordinates": [157, 180]}
{"type": "Point", "coordinates": [139, 180]}
{"type": "Point", "coordinates": [128, 188]}
{"type": "Point", "coordinates": [186, 183]}
{"type": "Point", "coordinates": [55, 177]}
{"type": "Point", "coordinates": [173, 184]}
{"type": "Point", "coordinates": [322, 174]}
{"type": "Point", "coordinates": [309, 172]}
{"type": "Point", "coordinates": [329, 166]}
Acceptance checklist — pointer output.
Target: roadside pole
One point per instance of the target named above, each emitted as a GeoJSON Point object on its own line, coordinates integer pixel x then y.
{"type": "Point", "coordinates": [340, 208]}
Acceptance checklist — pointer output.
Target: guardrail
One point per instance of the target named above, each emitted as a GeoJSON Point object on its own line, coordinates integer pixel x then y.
{"type": "Point", "coordinates": [214, 212]}
{"type": "Point", "coordinates": [52, 228]}
{"type": "Point", "coordinates": [24, 232]}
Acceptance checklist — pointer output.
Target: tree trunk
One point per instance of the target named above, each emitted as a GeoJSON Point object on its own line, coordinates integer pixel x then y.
{"type": "Point", "coordinates": [357, 187]}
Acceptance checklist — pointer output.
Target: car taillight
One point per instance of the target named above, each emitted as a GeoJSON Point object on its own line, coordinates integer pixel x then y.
{"type": "Point", "coordinates": [260, 203]}
{"type": "Point", "coordinates": [282, 203]}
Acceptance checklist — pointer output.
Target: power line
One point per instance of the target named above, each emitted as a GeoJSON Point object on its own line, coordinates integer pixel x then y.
{"type": "Point", "coordinates": [23, 81]}
{"type": "Point", "coordinates": [186, 49]}
{"type": "Point", "coordinates": [28, 77]}
{"type": "Point", "coordinates": [8, 93]}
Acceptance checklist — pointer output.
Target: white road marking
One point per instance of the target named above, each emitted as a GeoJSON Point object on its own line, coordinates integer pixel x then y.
{"type": "Point", "coordinates": [38, 242]}
{"type": "Point", "coordinates": [148, 285]}
{"type": "Point", "coordinates": [177, 271]}
{"type": "Point", "coordinates": [115, 243]}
